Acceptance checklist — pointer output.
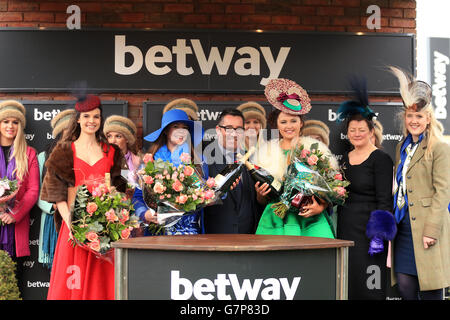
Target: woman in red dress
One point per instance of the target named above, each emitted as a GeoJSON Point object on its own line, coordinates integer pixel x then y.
{"type": "Point", "coordinates": [83, 156]}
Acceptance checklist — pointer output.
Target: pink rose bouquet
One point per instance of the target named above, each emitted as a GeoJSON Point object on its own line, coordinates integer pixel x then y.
{"type": "Point", "coordinates": [174, 190]}
{"type": "Point", "coordinates": [310, 174]}
{"type": "Point", "coordinates": [100, 218]}
{"type": "Point", "coordinates": [8, 190]}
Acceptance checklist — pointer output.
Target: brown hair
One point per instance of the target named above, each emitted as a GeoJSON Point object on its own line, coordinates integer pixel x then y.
{"type": "Point", "coordinates": [272, 119]}
{"type": "Point", "coordinates": [73, 131]}
{"type": "Point", "coordinates": [162, 140]}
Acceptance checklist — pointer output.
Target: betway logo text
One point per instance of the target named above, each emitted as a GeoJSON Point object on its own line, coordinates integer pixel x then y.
{"type": "Point", "coordinates": [440, 84]}
{"type": "Point", "coordinates": [159, 59]}
{"type": "Point", "coordinates": [219, 288]}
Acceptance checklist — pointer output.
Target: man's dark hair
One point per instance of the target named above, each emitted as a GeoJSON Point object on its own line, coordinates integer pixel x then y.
{"type": "Point", "coordinates": [230, 112]}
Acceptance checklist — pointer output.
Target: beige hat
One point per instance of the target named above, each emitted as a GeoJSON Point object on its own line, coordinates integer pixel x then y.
{"type": "Point", "coordinates": [187, 105]}
{"type": "Point", "coordinates": [378, 131]}
{"type": "Point", "coordinates": [13, 109]}
{"type": "Point", "coordinates": [61, 120]}
{"type": "Point", "coordinates": [317, 127]}
{"type": "Point", "coordinates": [251, 110]}
{"type": "Point", "coordinates": [123, 125]}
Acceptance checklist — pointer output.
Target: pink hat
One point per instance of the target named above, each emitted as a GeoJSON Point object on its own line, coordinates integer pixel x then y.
{"type": "Point", "coordinates": [287, 96]}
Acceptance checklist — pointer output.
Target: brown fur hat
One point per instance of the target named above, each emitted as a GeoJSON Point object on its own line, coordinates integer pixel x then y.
{"type": "Point", "coordinates": [317, 127]}
{"type": "Point", "coordinates": [13, 109]}
{"type": "Point", "coordinates": [123, 125]}
{"type": "Point", "coordinates": [61, 120]}
{"type": "Point", "coordinates": [253, 109]}
{"type": "Point", "coordinates": [187, 105]}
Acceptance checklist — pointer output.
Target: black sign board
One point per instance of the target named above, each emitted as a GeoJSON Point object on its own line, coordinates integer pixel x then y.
{"type": "Point", "coordinates": [38, 133]}
{"type": "Point", "coordinates": [258, 275]}
{"type": "Point", "coordinates": [325, 111]}
{"type": "Point", "coordinates": [198, 60]}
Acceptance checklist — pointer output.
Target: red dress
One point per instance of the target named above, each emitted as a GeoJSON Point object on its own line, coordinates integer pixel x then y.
{"type": "Point", "coordinates": [78, 274]}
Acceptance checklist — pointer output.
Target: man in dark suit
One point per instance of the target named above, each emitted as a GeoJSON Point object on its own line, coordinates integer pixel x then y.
{"type": "Point", "coordinates": [239, 211]}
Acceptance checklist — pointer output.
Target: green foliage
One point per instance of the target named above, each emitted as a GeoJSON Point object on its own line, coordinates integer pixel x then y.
{"type": "Point", "coordinates": [8, 282]}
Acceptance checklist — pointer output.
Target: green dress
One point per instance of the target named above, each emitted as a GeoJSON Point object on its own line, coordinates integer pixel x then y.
{"type": "Point", "coordinates": [294, 225]}
{"type": "Point", "coordinates": [319, 225]}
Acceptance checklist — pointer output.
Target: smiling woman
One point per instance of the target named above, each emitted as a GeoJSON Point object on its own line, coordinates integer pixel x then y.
{"type": "Point", "coordinates": [421, 255]}
{"type": "Point", "coordinates": [17, 162]}
{"type": "Point", "coordinates": [369, 171]}
{"type": "Point", "coordinates": [81, 157]}
{"type": "Point", "coordinates": [292, 103]}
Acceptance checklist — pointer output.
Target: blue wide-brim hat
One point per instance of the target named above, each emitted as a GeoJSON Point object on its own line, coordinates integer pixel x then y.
{"type": "Point", "coordinates": [177, 115]}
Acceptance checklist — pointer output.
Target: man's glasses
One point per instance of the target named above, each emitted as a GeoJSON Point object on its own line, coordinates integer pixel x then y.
{"type": "Point", "coordinates": [231, 130]}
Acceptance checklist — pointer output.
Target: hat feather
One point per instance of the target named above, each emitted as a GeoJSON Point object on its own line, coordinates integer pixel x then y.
{"type": "Point", "coordinates": [360, 102]}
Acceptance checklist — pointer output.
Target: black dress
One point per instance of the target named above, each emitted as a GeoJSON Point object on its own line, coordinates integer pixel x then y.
{"type": "Point", "coordinates": [370, 189]}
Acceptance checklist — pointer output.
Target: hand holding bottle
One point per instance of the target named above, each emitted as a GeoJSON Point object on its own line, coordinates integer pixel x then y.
{"type": "Point", "coordinates": [262, 190]}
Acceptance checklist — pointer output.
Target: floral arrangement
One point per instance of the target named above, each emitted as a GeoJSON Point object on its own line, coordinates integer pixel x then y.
{"type": "Point", "coordinates": [100, 218]}
{"type": "Point", "coordinates": [310, 174]}
{"type": "Point", "coordinates": [173, 190]}
{"type": "Point", "coordinates": [8, 190]}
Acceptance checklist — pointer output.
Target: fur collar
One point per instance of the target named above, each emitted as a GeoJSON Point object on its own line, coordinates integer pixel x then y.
{"type": "Point", "coordinates": [60, 162]}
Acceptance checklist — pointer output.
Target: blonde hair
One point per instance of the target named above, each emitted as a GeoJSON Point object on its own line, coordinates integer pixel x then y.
{"type": "Point", "coordinates": [417, 95]}
{"type": "Point", "coordinates": [434, 130]}
{"type": "Point", "coordinates": [20, 153]}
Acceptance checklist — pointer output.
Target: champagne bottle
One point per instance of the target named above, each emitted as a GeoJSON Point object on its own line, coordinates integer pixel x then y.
{"type": "Point", "coordinates": [263, 176]}
{"type": "Point", "coordinates": [226, 178]}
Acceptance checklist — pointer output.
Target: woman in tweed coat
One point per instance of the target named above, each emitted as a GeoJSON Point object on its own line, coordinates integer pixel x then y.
{"type": "Point", "coordinates": [421, 249]}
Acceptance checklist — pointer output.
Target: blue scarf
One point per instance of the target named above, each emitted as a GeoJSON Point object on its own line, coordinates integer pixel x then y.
{"type": "Point", "coordinates": [7, 239]}
{"type": "Point", "coordinates": [164, 154]}
{"type": "Point", "coordinates": [399, 213]}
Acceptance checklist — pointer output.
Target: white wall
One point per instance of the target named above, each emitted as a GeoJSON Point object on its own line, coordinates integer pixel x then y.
{"type": "Point", "coordinates": [432, 20]}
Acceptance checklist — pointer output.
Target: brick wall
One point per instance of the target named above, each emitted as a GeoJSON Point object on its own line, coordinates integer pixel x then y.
{"type": "Point", "coordinates": [397, 16]}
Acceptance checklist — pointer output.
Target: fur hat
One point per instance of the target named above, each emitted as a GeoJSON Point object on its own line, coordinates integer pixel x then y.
{"type": "Point", "coordinates": [123, 125]}
{"type": "Point", "coordinates": [60, 121]}
{"type": "Point", "coordinates": [317, 127]}
{"type": "Point", "coordinates": [187, 105]}
{"type": "Point", "coordinates": [252, 110]}
{"type": "Point", "coordinates": [13, 109]}
{"type": "Point", "coordinates": [287, 96]}
{"type": "Point", "coordinates": [87, 103]}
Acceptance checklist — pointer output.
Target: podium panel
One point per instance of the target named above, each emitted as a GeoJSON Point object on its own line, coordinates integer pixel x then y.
{"type": "Point", "coordinates": [231, 267]}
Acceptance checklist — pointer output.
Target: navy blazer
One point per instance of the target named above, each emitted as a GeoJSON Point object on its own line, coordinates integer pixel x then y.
{"type": "Point", "coordinates": [239, 211]}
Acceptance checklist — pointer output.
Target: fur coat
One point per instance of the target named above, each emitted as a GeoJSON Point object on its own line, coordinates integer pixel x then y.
{"type": "Point", "coordinates": [271, 157]}
{"type": "Point", "coordinates": [60, 176]}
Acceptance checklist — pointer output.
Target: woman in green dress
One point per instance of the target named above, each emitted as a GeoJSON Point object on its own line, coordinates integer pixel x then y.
{"type": "Point", "coordinates": [287, 118]}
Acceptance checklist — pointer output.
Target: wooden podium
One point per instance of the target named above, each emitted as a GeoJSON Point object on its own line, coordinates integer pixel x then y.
{"type": "Point", "coordinates": [231, 267]}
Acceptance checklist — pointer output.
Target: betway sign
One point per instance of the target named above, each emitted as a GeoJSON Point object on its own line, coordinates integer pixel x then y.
{"type": "Point", "coordinates": [439, 74]}
{"type": "Point", "coordinates": [158, 59]}
{"type": "Point", "coordinates": [229, 286]}
{"type": "Point", "coordinates": [197, 61]}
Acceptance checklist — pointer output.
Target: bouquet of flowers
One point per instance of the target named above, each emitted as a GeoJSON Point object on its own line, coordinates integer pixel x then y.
{"type": "Point", "coordinates": [310, 174]}
{"type": "Point", "coordinates": [8, 190]}
{"type": "Point", "coordinates": [100, 218]}
{"type": "Point", "coordinates": [173, 191]}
